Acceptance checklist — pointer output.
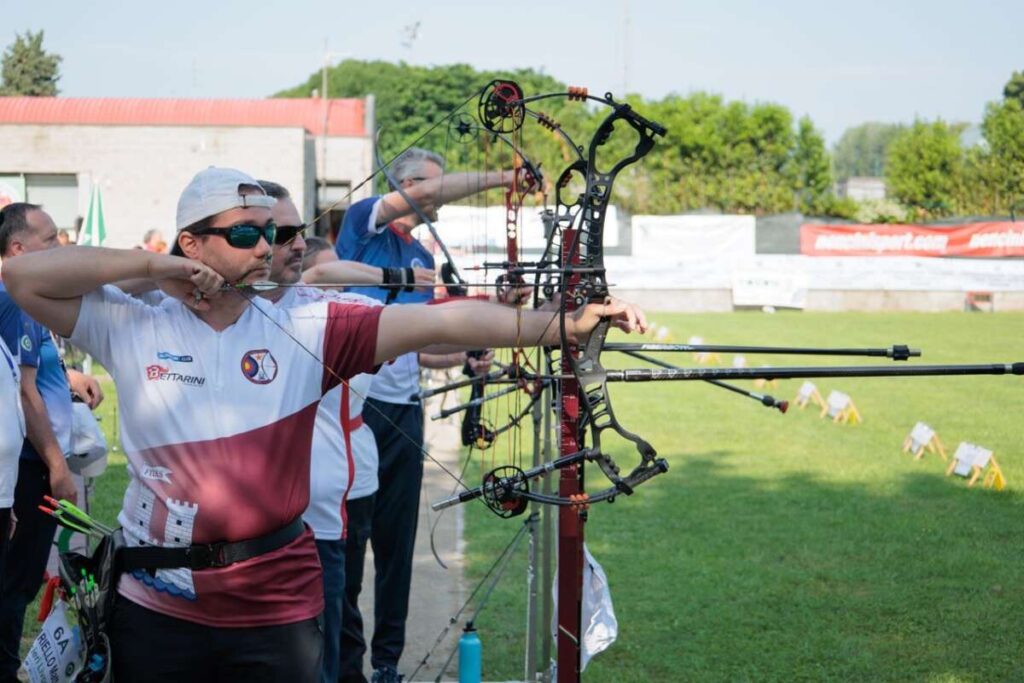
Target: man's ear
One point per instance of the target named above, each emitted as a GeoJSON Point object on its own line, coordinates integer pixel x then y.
{"type": "Point", "coordinates": [189, 244]}
{"type": "Point", "coordinates": [15, 248]}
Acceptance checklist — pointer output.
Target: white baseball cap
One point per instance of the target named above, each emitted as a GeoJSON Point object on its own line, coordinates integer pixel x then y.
{"type": "Point", "coordinates": [214, 190]}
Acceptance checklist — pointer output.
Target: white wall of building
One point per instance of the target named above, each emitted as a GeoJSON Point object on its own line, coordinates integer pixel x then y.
{"type": "Point", "coordinates": [142, 169]}
{"type": "Point", "coordinates": [350, 159]}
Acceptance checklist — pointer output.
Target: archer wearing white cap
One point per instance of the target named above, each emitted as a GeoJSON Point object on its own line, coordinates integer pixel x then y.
{"type": "Point", "coordinates": [218, 393]}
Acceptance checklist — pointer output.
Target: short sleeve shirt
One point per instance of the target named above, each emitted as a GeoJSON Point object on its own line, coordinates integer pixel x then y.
{"type": "Point", "coordinates": [384, 246]}
{"type": "Point", "coordinates": [217, 428]}
{"type": "Point", "coordinates": [344, 452]}
{"type": "Point", "coordinates": [361, 239]}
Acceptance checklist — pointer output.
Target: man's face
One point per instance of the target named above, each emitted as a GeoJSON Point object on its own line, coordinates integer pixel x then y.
{"type": "Point", "coordinates": [236, 265]}
{"type": "Point", "coordinates": [286, 264]}
{"type": "Point", "coordinates": [426, 171]}
{"type": "Point", "coordinates": [40, 235]}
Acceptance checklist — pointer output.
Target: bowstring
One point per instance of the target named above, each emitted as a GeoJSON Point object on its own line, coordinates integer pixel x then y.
{"type": "Point", "coordinates": [436, 247]}
{"type": "Point", "coordinates": [376, 172]}
{"type": "Point", "coordinates": [421, 447]}
{"type": "Point", "coordinates": [558, 315]}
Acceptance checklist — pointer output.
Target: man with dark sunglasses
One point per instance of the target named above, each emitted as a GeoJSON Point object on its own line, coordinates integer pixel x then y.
{"type": "Point", "coordinates": [218, 395]}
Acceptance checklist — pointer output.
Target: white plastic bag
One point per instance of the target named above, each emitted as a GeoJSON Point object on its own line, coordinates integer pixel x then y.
{"type": "Point", "coordinates": [88, 445]}
{"type": "Point", "coordinates": [58, 653]}
{"type": "Point", "coordinates": [600, 627]}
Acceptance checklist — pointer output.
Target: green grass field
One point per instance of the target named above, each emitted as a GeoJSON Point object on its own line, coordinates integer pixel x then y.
{"type": "Point", "coordinates": [785, 547]}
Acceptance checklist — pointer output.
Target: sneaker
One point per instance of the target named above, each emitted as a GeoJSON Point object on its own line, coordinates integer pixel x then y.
{"type": "Point", "coordinates": [386, 674]}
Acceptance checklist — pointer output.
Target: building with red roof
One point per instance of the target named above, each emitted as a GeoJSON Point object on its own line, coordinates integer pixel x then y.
{"type": "Point", "coordinates": [142, 152]}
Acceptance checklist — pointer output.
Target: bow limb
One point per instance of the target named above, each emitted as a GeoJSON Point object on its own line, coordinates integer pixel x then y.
{"type": "Point", "coordinates": [585, 247]}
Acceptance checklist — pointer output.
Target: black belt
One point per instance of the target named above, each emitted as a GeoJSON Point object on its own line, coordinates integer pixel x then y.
{"type": "Point", "coordinates": [208, 555]}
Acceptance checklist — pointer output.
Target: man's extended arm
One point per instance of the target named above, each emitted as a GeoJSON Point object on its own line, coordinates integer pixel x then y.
{"type": "Point", "coordinates": [433, 192]}
{"type": "Point", "coordinates": [477, 325]}
{"type": "Point", "coordinates": [356, 273]}
{"type": "Point", "coordinates": [40, 434]}
{"type": "Point", "coordinates": [443, 361]}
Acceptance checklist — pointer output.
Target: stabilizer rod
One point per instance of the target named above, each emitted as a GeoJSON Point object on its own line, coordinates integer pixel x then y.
{"type": "Point", "coordinates": [693, 374]}
{"type": "Point", "coordinates": [896, 352]}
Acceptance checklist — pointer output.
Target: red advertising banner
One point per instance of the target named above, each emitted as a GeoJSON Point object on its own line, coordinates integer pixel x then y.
{"type": "Point", "coordinates": [981, 240]}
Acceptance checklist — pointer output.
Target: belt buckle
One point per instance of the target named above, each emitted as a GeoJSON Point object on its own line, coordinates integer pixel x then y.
{"type": "Point", "coordinates": [199, 556]}
{"type": "Point", "coordinates": [206, 556]}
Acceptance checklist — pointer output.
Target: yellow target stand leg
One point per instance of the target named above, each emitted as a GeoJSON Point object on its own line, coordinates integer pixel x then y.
{"type": "Point", "coordinates": [922, 439]}
{"type": "Point", "coordinates": [807, 394]}
{"type": "Point", "coordinates": [841, 409]}
{"type": "Point", "coordinates": [994, 478]}
{"type": "Point", "coordinates": [971, 461]}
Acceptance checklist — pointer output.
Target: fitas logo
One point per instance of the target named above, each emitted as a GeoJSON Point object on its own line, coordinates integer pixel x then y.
{"type": "Point", "coordinates": [259, 366]}
{"type": "Point", "coordinates": [156, 473]}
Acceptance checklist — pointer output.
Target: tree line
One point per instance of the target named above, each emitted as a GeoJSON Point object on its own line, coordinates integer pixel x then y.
{"type": "Point", "coordinates": [733, 157]}
{"type": "Point", "coordinates": [727, 156]}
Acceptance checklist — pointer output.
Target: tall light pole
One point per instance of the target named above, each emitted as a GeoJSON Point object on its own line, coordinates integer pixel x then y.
{"type": "Point", "coordinates": [326, 105]}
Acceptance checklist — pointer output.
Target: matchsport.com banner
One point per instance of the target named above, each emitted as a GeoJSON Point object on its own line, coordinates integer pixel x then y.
{"type": "Point", "coordinates": [982, 240]}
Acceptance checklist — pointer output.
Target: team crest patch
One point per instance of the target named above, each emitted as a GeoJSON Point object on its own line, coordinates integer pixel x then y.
{"type": "Point", "coordinates": [259, 366]}
{"type": "Point", "coordinates": [26, 343]}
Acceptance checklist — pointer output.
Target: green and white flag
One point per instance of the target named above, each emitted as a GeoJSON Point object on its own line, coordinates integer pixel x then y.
{"type": "Point", "coordinates": [94, 230]}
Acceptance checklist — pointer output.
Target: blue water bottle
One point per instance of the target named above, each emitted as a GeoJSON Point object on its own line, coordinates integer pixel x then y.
{"type": "Point", "coordinates": [470, 665]}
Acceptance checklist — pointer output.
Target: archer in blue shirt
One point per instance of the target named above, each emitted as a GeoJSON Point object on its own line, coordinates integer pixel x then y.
{"type": "Point", "coordinates": [378, 230]}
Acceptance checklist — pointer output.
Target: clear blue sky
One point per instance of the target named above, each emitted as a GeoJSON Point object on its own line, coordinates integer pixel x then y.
{"type": "Point", "coordinates": [841, 63]}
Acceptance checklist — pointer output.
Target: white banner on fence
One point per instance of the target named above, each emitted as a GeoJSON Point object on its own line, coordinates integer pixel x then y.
{"type": "Point", "coordinates": [765, 287]}
{"type": "Point", "coordinates": [718, 252]}
{"type": "Point", "coordinates": [900, 273]}
{"type": "Point", "coordinates": [693, 238]}
{"type": "Point", "coordinates": [468, 229]}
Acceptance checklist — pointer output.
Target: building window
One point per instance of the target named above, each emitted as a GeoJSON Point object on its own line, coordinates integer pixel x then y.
{"type": "Point", "coordinates": [332, 201]}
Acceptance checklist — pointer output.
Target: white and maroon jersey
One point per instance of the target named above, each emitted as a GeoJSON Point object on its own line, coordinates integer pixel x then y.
{"type": "Point", "coordinates": [217, 428]}
{"type": "Point", "coordinates": [342, 446]}
{"type": "Point", "coordinates": [344, 450]}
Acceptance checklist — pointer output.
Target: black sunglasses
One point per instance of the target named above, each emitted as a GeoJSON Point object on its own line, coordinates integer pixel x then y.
{"type": "Point", "coordinates": [287, 233]}
{"type": "Point", "coordinates": [244, 236]}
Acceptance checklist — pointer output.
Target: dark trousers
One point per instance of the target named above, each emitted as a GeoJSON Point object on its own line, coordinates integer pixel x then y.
{"type": "Point", "coordinates": [5, 533]}
{"type": "Point", "coordinates": [27, 555]}
{"type": "Point", "coordinates": [154, 648]}
{"type": "Point", "coordinates": [332, 559]}
{"type": "Point", "coordinates": [353, 644]}
{"type": "Point", "coordinates": [398, 430]}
